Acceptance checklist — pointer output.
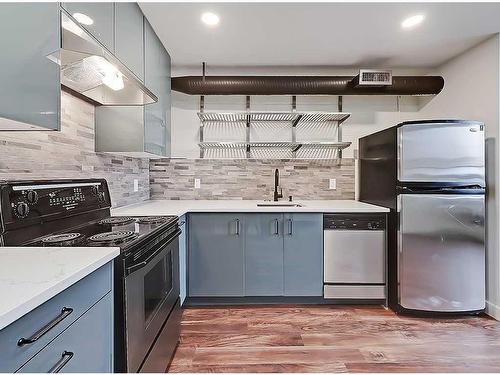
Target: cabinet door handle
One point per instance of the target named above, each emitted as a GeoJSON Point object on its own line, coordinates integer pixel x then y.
{"type": "Point", "coordinates": [46, 328]}
{"type": "Point", "coordinates": [290, 227]}
{"type": "Point", "coordinates": [276, 227]}
{"type": "Point", "coordinates": [237, 227]}
{"type": "Point", "coordinates": [65, 358]}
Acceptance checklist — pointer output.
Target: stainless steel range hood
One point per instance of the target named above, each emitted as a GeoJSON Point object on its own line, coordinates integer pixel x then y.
{"type": "Point", "coordinates": [92, 71]}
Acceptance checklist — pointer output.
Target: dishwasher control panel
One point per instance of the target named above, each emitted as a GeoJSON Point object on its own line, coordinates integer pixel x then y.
{"type": "Point", "coordinates": [354, 222]}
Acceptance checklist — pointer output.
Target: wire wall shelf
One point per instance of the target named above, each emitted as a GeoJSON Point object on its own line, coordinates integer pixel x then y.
{"type": "Point", "coordinates": [287, 121]}
{"type": "Point", "coordinates": [294, 118]}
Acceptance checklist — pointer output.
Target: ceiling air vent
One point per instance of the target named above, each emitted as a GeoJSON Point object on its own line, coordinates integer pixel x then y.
{"type": "Point", "coordinates": [368, 77]}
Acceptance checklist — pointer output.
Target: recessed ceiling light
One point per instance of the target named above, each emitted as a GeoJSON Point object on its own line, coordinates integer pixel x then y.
{"type": "Point", "coordinates": [83, 19]}
{"type": "Point", "coordinates": [210, 19]}
{"type": "Point", "coordinates": [412, 21]}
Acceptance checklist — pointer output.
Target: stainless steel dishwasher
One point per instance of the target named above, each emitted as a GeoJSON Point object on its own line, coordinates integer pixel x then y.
{"type": "Point", "coordinates": [354, 256]}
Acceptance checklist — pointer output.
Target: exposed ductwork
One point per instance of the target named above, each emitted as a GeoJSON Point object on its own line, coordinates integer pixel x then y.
{"type": "Point", "coordinates": [303, 85]}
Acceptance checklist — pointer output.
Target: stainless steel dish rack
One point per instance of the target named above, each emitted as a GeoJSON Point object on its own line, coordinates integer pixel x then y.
{"type": "Point", "coordinates": [293, 119]}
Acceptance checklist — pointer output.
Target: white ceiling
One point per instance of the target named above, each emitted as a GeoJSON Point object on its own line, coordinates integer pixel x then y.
{"type": "Point", "coordinates": [320, 34]}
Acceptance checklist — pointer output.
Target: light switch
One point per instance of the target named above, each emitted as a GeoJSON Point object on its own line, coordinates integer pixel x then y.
{"type": "Point", "coordinates": [136, 184]}
{"type": "Point", "coordinates": [333, 184]}
{"type": "Point", "coordinates": [197, 183]}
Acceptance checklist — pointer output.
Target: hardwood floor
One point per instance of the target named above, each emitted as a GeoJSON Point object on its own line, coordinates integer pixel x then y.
{"type": "Point", "coordinates": [332, 339]}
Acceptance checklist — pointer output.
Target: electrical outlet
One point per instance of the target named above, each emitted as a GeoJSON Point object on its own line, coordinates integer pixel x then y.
{"type": "Point", "coordinates": [333, 184]}
{"type": "Point", "coordinates": [197, 183]}
{"type": "Point", "coordinates": [136, 184]}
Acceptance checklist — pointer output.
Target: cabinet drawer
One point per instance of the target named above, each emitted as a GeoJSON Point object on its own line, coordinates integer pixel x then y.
{"type": "Point", "coordinates": [79, 297]}
{"type": "Point", "coordinates": [86, 346]}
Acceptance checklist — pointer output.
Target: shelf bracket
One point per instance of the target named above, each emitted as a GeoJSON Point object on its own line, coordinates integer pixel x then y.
{"type": "Point", "coordinates": [339, 127]}
{"type": "Point", "coordinates": [247, 105]}
{"type": "Point", "coordinates": [296, 121]}
{"type": "Point", "coordinates": [294, 125]}
{"type": "Point", "coordinates": [202, 108]}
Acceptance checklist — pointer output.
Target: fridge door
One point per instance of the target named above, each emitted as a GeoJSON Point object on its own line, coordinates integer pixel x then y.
{"type": "Point", "coordinates": [441, 252]}
{"type": "Point", "coordinates": [449, 152]}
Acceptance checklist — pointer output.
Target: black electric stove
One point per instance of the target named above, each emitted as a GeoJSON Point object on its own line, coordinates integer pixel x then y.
{"type": "Point", "coordinates": [70, 213]}
{"type": "Point", "coordinates": [125, 232]}
{"type": "Point", "coordinates": [76, 213]}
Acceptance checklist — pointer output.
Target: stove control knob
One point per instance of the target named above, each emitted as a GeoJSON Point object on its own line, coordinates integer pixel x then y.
{"type": "Point", "coordinates": [22, 210]}
{"type": "Point", "coordinates": [32, 197]}
{"type": "Point", "coordinates": [101, 197]}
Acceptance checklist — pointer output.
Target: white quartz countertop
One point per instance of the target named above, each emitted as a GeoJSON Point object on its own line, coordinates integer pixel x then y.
{"type": "Point", "coordinates": [30, 276]}
{"type": "Point", "coordinates": [181, 207]}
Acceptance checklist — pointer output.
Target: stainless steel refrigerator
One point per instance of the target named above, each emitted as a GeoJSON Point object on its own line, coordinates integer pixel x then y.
{"type": "Point", "coordinates": [431, 174]}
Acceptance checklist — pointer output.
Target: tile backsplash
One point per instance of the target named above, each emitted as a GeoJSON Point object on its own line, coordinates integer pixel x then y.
{"type": "Point", "coordinates": [70, 154]}
{"type": "Point", "coordinates": [250, 179]}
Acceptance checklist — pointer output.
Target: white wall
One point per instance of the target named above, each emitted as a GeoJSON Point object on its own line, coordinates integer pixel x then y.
{"type": "Point", "coordinates": [472, 92]}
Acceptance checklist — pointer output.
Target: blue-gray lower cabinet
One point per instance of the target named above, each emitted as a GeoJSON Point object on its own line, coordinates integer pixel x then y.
{"type": "Point", "coordinates": [264, 254]}
{"type": "Point", "coordinates": [81, 316]}
{"type": "Point", "coordinates": [183, 258]}
{"type": "Point", "coordinates": [86, 346]}
{"type": "Point", "coordinates": [253, 255]}
{"type": "Point", "coordinates": [303, 254]}
{"type": "Point", "coordinates": [216, 255]}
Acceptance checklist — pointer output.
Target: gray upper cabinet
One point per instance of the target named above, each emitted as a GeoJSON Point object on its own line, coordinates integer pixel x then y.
{"type": "Point", "coordinates": [138, 131]}
{"type": "Point", "coordinates": [168, 103]}
{"type": "Point", "coordinates": [30, 83]}
{"type": "Point", "coordinates": [264, 255]}
{"type": "Point", "coordinates": [129, 37]}
{"type": "Point", "coordinates": [99, 21]}
{"type": "Point", "coordinates": [157, 79]}
{"type": "Point", "coordinates": [303, 257]}
{"type": "Point", "coordinates": [216, 255]}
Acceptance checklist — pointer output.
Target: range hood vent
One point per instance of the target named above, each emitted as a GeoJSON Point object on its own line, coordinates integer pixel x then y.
{"type": "Point", "coordinates": [88, 69]}
{"type": "Point", "coordinates": [304, 85]}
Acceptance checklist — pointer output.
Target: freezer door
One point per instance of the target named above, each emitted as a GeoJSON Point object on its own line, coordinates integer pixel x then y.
{"type": "Point", "coordinates": [441, 152]}
{"type": "Point", "coordinates": [441, 252]}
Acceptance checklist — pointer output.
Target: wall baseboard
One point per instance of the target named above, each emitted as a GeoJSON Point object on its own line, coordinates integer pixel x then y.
{"type": "Point", "coordinates": [493, 310]}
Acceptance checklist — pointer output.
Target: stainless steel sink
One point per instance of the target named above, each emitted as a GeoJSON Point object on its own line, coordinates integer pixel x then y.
{"type": "Point", "coordinates": [278, 204]}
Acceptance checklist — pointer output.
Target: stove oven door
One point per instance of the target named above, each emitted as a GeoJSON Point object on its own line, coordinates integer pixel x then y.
{"type": "Point", "coordinates": [151, 291]}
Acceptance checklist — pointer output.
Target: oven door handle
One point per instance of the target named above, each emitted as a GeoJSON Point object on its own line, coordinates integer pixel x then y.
{"type": "Point", "coordinates": [137, 266]}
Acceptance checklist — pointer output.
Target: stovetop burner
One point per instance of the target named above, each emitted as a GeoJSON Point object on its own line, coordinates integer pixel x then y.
{"type": "Point", "coordinates": [115, 237]}
{"type": "Point", "coordinates": [117, 220]}
{"type": "Point", "coordinates": [153, 219]}
{"type": "Point", "coordinates": [64, 239]}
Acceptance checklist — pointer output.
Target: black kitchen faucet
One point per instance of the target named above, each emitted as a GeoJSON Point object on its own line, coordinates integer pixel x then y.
{"type": "Point", "coordinates": [276, 185]}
